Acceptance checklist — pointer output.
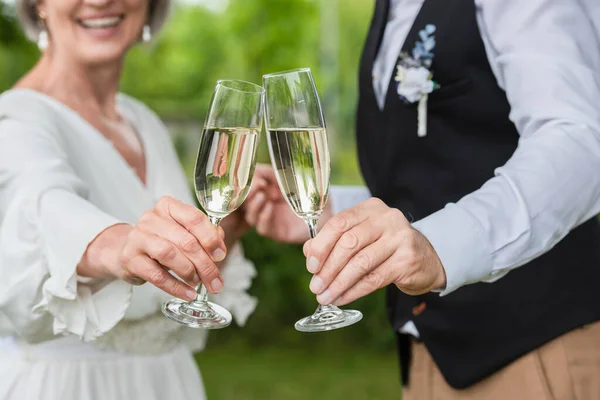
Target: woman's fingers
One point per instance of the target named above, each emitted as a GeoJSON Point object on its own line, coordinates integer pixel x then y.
{"type": "Point", "coordinates": [264, 220]}
{"type": "Point", "coordinates": [253, 207]}
{"type": "Point", "coordinates": [145, 258]}
{"type": "Point", "coordinates": [164, 252]}
{"type": "Point", "coordinates": [184, 241]}
{"type": "Point", "coordinates": [266, 181]}
{"type": "Point", "coordinates": [143, 267]}
{"type": "Point", "coordinates": [265, 172]}
{"type": "Point", "coordinates": [196, 222]}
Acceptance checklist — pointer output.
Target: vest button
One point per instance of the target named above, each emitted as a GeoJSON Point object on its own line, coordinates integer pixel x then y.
{"type": "Point", "coordinates": [418, 310]}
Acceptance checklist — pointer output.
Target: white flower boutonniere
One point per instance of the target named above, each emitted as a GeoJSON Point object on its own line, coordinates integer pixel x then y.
{"type": "Point", "coordinates": [414, 77]}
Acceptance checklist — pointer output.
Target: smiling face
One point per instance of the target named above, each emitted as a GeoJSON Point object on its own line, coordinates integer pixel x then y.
{"type": "Point", "coordinates": [93, 32]}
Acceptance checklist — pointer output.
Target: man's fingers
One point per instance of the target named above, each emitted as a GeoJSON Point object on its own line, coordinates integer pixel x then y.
{"type": "Point", "coordinates": [374, 280]}
{"type": "Point", "coordinates": [361, 265]}
{"type": "Point", "coordinates": [352, 245]}
{"type": "Point", "coordinates": [319, 248]}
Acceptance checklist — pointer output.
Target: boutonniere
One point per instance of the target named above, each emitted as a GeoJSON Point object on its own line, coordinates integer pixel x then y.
{"type": "Point", "coordinates": [414, 76]}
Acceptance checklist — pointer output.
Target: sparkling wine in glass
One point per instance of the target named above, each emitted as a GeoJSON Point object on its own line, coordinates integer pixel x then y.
{"type": "Point", "coordinates": [299, 152]}
{"type": "Point", "coordinates": [222, 179]}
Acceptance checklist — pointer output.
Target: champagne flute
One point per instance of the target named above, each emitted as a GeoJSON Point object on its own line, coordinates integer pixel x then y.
{"type": "Point", "coordinates": [222, 179]}
{"type": "Point", "coordinates": [297, 140]}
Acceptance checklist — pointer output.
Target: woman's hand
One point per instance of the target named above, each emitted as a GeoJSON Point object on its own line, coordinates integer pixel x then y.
{"type": "Point", "coordinates": [267, 210]}
{"type": "Point", "coordinates": [369, 247]}
{"type": "Point", "coordinates": [173, 236]}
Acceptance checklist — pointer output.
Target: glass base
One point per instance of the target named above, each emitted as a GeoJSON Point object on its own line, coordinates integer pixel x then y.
{"type": "Point", "coordinates": [197, 314]}
{"type": "Point", "coordinates": [328, 318]}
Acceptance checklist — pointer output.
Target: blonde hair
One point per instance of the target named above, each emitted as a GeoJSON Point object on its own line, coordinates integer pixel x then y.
{"type": "Point", "coordinates": [29, 19]}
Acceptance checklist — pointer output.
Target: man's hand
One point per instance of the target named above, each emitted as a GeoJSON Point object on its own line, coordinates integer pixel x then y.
{"type": "Point", "coordinates": [369, 247]}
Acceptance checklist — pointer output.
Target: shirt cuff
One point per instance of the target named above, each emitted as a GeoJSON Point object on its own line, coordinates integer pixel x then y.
{"type": "Point", "coordinates": [460, 244]}
{"type": "Point", "coordinates": [344, 197]}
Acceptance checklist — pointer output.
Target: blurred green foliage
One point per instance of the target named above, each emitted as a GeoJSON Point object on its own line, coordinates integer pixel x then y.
{"type": "Point", "coordinates": [175, 76]}
{"type": "Point", "coordinates": [283, 373]}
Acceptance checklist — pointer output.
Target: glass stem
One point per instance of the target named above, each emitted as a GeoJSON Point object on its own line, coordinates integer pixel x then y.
{"type": "Point", "coordinates": [321, 309]}
{"type": "Point", "coordinates": [215, 220]}
{"type": "Point", "coordinates": [202, 294]}
{"type": "Point", "coordinates": [312, 224]}
{"type": "Point", "coordinates": [201, 290]}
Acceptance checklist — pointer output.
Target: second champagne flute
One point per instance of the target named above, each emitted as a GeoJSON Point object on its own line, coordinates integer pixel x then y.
{"type": "Point", "coordinates": [222, 179]}
{"type": "Point", "coordinates": [300, 157]}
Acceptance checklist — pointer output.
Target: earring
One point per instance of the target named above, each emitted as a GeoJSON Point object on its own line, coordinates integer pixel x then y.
{"type": "Point", "coordinates": [146, 34]}
{"type": "Point", "coordinates": [42, 41]}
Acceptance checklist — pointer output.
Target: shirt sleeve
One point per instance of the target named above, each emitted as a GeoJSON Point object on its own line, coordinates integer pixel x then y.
{"type": "Point", "coordinates": [46, 224]}
{"type": "Point", "coordinates": [545, 55]}
{"type": "Point", "coordinates": [344, 197]}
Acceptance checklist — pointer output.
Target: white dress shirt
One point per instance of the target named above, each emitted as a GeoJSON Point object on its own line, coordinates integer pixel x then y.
{"type": "Point", "coordinates": [546, 55]}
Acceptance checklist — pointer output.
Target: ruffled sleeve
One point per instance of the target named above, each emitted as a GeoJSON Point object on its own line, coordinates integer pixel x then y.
{"type": "Point", "coordinates": [46, 224]}
{"type": "Point", "coordinates": [237, 273]}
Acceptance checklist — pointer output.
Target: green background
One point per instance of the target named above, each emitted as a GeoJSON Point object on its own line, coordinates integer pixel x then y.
{"type": "Point", "coordinates": [175, 76]}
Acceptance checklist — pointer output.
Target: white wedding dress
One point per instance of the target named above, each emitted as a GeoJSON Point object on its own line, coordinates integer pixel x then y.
{"type": "Point", "coordinates": [65, 337]}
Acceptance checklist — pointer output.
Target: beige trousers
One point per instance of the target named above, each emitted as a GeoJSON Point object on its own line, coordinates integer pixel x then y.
{"type": "Point", "coordinates": [567, 368]}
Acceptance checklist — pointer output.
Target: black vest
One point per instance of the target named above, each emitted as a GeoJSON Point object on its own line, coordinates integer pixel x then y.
{"type": "Point", "coordinates": [479, 328]}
